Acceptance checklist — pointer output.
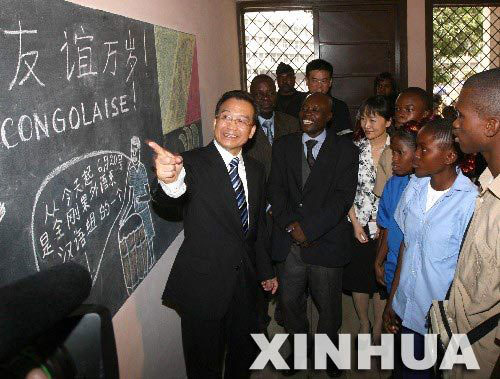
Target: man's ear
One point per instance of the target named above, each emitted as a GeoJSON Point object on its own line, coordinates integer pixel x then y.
{"type": "Point", "coordinates": [308, 82]}
{"type": "Point", "coordinates": [492, 127]}
{"type": "Point", "coordinates": [252, 131]}
{"type": "Point", "coordinates": [329, 116]}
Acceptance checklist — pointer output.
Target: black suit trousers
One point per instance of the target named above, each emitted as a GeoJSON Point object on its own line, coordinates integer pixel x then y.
{"type": "Point", "coordinates": [325, 288]}
{"type": "Point", "coordinates": [206, 341]}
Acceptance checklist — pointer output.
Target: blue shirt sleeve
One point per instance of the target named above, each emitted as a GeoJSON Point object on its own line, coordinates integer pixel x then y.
{"type": "Point", "coordinates": [400, 213]}
{"type": "Point", "coordinates": [383, 213]}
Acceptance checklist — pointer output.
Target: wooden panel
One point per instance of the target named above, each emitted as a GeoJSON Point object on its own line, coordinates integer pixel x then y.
{"type": "Point", "coordinates": [353, 90]}
{"type": "Point", "coordinates": [359, 59]}
{"type": "Point", "coordinates": [356, 25]}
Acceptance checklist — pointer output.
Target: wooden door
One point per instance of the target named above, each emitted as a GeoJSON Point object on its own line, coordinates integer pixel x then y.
{"type": "Point", "coordinates": [361, 41]}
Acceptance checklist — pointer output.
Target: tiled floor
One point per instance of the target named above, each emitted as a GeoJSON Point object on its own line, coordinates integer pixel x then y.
{"type": "Point", "coordinates": [350, 325]}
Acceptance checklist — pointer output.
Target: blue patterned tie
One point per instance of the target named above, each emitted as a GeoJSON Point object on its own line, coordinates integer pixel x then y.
{"type": "Point", "coordinates": [240, 192]}
{"type": "Point", "coordinates": [269, 132]}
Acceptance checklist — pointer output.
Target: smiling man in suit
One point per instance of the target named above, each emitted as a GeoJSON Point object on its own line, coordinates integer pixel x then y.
{"type": "Point", "coordinates": [311, 188]}
{"type": "Point", "coordinates": [216, 274]}
{"type": "Point", "coordinates": [271, 124]}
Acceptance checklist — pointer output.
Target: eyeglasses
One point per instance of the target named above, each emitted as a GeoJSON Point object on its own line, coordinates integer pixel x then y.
{"type": "Point", "coordinates": [320, 81]}
{"type": "Point", "coordinates": [240, 122]}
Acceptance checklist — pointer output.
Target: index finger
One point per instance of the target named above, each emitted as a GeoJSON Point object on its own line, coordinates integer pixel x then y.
{"type": "Point", "coordinates": [159, 150]}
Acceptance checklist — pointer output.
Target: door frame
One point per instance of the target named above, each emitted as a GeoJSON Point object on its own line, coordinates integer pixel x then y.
{"type": "Point", "coordinates": [400, 42]}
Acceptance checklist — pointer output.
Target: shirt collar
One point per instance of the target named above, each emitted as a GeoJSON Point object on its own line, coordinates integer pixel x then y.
{"type": "Point", "coordinates": [320, 138]}
{"type": "Point", "coordinates": [226, 155]}
{"type": "Point", "coordinates": [489, 183]}
{"type": "Point", "coordinates": [262, 119]}
{"type": "Point", "coordinates": [461, 183]}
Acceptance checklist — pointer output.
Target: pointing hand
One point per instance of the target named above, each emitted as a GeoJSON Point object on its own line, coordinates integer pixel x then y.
{"type": "Point", "coordinates": [167, 165]}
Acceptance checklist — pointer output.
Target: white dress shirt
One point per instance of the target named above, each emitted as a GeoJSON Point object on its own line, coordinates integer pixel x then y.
{"type": "Point", "coordinates": [178, 188]}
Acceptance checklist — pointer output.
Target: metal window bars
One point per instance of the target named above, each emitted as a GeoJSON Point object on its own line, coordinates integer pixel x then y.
{"type": "Point", "coordinates": [272, 37]}
{"type": "Point", "coordinates": [466, 40]}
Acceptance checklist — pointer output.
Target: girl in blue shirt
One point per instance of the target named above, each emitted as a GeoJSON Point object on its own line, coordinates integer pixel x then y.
{"type": "Point", "coordinates": [403, 145]}
{"type": "Point", "coordinates": [433, 214]}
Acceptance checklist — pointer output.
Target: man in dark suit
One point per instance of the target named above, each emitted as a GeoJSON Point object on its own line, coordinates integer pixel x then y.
{"type": "Point", "coordinates": [215, 276]}
{"type": "Point", "coordinates": [311, 188]}
{"type": "Point", "coordinates": [271, 124]}
{"type": "Point", "coordinates": [319, 75]}
{"type": "Point", "coordinates": [287, 94]}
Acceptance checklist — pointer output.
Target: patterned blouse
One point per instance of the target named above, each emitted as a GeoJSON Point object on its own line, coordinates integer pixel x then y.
{"type": "Point", "coordinates": [365, 201]}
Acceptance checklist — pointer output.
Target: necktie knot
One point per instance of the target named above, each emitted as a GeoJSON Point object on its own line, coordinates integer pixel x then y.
{"type": "Point", "coordinates": [310, 144]}
{"type": "Point", "coordinates": [234, 162]}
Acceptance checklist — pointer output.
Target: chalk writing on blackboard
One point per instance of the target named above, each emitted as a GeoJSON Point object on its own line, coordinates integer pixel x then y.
{"type": "Point", "coordinates": [22, 61]}
{"type": "Point", "coordinates": [80, 92]}
{"type": "Point", "coordinates": [106, 196]}
{"type": "Point", "coordinates": [2, 211]}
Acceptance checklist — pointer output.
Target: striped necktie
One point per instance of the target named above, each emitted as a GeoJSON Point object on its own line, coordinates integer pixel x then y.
{"type": "Point", "coordinates": [240, 192]}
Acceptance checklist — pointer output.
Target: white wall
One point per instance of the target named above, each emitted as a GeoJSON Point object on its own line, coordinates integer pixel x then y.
{"type": "Point", "coordinates": [147, 333]}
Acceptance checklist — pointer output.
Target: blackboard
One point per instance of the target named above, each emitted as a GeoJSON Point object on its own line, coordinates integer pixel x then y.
{"type": "Point", "coordinates": [80, 92]}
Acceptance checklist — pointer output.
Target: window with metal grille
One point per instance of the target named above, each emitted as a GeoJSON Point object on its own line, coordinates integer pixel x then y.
{"type": "Point", "coordinates": [466, 40]}
{"type": "Point", "coordinates": [272, 37]}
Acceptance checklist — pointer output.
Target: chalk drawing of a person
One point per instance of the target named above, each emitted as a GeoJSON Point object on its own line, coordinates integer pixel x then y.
{"type": "Point", "coordinates": [136, 231]}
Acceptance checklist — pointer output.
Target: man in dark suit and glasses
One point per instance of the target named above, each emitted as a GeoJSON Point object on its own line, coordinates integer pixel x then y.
{"type": "Point", "coordinates": [319, 79]}
{"type": "Point", "coordinates": [216, 274]}
{"type": "Point", "coordinates": [311, 188]}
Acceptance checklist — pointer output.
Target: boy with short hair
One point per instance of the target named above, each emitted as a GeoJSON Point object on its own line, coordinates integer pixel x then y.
{"type": "Point", "coordinates": [412, 104]}
{"type": "Point", "coordinates": [475, 291]}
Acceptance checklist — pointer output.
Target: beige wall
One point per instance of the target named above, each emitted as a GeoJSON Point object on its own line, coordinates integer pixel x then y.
{"type": "Point", "coordinates": [416, 43]}
{"type": "Point", "coordinates": [147, 333]}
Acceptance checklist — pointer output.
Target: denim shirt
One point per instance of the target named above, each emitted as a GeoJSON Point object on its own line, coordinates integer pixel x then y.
{"type": "Point", "coordinates": [432, 242]}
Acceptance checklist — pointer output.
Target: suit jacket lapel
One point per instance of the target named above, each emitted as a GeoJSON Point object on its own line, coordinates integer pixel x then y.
{"type": "Point", "coordinates": [252, 195]}
{"type": "Point", "coordinates": [325, 161]}
{"type": "Point", "coordinates": [280, 128]}
{"type": "Point", "coordinates": [295, 159]}
{"type": "Point", "coordinates": [224, 188]}
{"type": "Point", "coordinates": [261, 138]}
